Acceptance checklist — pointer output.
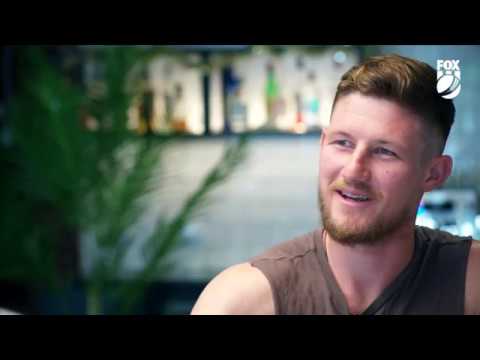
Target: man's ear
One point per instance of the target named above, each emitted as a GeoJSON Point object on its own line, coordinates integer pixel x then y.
{"type": "Point", "coordinates": [438, 172]}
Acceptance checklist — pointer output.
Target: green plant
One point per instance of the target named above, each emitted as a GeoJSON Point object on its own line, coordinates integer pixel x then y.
{"type": "Point", "coordinates": [66, 181]}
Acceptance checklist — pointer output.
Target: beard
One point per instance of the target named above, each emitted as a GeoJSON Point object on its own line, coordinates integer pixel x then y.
{"type": "Point", "coordinates": [351, 233]}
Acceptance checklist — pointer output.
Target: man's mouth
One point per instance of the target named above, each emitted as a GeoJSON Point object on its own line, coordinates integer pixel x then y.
{"type": "Point", "coordinates": [352, 196]}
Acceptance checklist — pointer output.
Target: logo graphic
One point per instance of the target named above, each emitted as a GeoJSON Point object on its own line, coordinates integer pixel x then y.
{"type": "Point", "coordinates": [448, 78]}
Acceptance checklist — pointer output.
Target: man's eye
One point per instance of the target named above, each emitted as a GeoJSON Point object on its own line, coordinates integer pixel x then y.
{"type": "Point", "coordinates": [343, 143]}
{"type": "Point", "coordinates": [383, 151]}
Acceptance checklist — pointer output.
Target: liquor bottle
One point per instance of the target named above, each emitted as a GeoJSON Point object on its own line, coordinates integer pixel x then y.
{"type": "Point", "coordinates": [272, 95]}
{"type": "Point", "coordinates": [235, 115]}
{"type": "Point", "coordinates": [311, 102]}
{"type": "Point", "coordinates": [146, 110]}
{"type": "Point", "coordinates": [179, 118]}
{"type": "Point", "coordinates": [299, 125]}
{"type": "Point", "coordinates": [237, 111]}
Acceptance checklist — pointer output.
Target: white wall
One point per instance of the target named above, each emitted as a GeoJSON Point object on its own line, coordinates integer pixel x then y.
{"type": "Point", "coordinates": [271, 198]}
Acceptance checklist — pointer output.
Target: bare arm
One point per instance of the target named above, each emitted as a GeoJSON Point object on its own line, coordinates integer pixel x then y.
{"type": "Point", "coordinates": [239, 290]}
{"type": "Point", "coordinates": [472, 291]}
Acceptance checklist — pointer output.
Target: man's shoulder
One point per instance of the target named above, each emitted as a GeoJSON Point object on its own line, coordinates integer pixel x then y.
{"type": "Point", "coordinates": [461, 253]}
{"type": "Point", "coordinates": [439, 236]}
{"type": "Point", "coordinates": [238, 290]}
{"type": "Point", "coordinates": [472, 293]}
{"type": "Point", "coordinates": [252, 287]}
{"type": "Point", "coordinates": [291, 248]}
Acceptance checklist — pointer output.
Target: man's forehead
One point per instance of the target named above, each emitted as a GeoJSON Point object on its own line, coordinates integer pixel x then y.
{"type": "Point", "coordinates": [371, 107]}
{"type": "Point", "coordinates": [375, 132]}
{"type": "Point", "coordinates": [361, 115]}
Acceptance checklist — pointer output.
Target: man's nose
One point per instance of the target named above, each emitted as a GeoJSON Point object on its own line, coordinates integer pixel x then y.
{"type": "Point", "coordinates": [357, 167]}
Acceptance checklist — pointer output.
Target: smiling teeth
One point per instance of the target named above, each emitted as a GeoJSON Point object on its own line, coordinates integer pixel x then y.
{"type": "Point", "coordinates": [355, 197]}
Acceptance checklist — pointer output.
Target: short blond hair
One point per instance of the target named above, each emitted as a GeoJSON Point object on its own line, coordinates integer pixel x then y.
{"type": "Point", "coordinates": [408, 82]}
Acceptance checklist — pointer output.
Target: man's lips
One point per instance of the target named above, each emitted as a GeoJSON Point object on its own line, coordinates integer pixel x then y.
{"type": "Point", "coordinates": [355, 195]}
{"type": "Point", "coordinates": [354, 191]}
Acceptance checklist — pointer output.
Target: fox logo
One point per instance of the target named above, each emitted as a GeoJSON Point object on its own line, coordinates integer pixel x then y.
{"type": "Point", "coordinates": [448, 78]}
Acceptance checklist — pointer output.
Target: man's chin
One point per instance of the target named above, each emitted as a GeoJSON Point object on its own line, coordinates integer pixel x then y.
{"type": "Point", "coordinates": [354, 232]}
{"type": "Point", "coordinates": [351, 236]}
{"type": "Point", "coordinates": [354, 223]}
{"type": "Point", "coordinates": [360, 227]}
{"type": "Point", "coordinates": [355, 229]}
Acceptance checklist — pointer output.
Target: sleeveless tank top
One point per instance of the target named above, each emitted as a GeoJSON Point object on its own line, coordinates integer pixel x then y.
{"type": "Point", "coordinates": [433, 282]}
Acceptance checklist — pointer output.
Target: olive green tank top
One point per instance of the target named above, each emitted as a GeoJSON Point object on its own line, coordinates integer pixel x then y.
{"type": "Point", "coordinates": [433, 282]}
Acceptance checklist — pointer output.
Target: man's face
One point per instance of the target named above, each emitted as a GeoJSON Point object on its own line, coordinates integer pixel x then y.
{"type": "Point", "coordinates": [371, 173]}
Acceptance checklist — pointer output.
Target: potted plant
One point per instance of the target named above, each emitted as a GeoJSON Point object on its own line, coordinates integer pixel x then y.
{"type": "Point", "coordinates": [67, 180]}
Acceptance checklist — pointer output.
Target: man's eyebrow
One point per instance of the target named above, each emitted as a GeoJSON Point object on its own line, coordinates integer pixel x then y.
{"type": "Point", "coordinates": [392, 143]}
{"type": "Point", "coordinates": [378, 141]}
{"type": "Point", "coordinates": [341, 133]}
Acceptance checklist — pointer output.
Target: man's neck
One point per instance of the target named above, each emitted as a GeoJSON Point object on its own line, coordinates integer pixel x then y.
{"type": "Point", "coordinates": [364, 271]}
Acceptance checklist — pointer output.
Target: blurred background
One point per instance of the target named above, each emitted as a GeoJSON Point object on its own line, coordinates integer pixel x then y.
{"type": "Point", "coordinates": [131, 175]}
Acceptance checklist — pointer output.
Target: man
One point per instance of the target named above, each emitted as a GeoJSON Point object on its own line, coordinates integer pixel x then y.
{"type": "Point", "coordinates": [381, 152]}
